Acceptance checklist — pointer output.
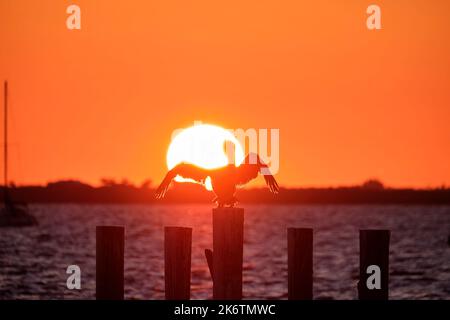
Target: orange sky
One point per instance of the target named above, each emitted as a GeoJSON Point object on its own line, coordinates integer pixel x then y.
{"type": "Point", "coordinates": [350, 103]}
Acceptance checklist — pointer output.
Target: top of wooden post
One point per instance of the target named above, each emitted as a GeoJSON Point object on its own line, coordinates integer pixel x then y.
{"type": "Point", "coordinates": [228, 209]}
{"type": "Point", "coordinates": [229, 216]}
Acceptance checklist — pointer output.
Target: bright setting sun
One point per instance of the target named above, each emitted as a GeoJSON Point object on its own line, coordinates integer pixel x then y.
{"type": "Point", "coordinates": [204, 146]}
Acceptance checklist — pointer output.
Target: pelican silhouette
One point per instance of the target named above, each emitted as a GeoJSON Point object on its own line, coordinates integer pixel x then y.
{"type": "Point", "coordinates": [224, 180]}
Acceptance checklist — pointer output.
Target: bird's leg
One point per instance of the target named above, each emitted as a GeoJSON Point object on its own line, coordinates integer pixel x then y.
{"type": "Point", "coordinates": [235, 200]}
{"type": "Point", "coordinates": [216, 201]}
{"type": "Point", "coordinates": [231, 204]}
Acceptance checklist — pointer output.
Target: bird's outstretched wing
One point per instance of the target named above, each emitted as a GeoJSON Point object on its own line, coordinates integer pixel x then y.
{"type": "Point", "coordinates": [251, 167]}
{"type": "Point", "coordinates": [271, 183]}
{"type": "Point", "coordinates": [185, 170]}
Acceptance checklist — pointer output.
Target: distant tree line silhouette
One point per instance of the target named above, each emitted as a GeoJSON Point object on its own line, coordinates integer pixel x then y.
{"type": "Point", "coordinates": [110, 191]}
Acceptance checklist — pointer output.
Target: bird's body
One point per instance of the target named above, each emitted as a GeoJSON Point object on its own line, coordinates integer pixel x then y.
{"type": "Point", "coordinates": [224, 180]}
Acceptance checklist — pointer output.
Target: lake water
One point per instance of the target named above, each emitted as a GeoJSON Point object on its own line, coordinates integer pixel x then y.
{"type": "Point", "coordinates": [33, 260]}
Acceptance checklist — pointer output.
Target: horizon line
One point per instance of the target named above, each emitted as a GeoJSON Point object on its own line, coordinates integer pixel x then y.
{"type": "Point", "coordinates": [148, 183]}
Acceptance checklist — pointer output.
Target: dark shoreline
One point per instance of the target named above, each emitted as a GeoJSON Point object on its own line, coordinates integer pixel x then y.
{"type": "Point", "coordinates": [77, 192]}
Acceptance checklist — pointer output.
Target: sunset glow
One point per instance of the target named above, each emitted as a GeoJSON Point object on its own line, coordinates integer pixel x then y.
{"type": "Point", "coordinates": [350, 103]}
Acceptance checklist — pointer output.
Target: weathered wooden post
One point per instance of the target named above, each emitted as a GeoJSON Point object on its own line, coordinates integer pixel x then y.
{"type": "Point", "coordinates": [228, 249]}
{"type": "Point", "coordinates": [300, 263]}
{"type": "Point", "coordinates": [209, 260]}
{"type": "Point", "coordinates": [373, 264]}
{"type": "Point", "coordinates": [110, 246]}
{"type": "Point", "coordinates": [177, 262]}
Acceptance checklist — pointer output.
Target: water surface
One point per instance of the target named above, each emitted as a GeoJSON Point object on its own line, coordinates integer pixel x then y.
{"type": "Point", "coordinates": [33, 260]}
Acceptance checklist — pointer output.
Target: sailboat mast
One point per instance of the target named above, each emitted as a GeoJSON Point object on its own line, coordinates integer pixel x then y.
{"type": "Point", "coordinates": [5, 135]}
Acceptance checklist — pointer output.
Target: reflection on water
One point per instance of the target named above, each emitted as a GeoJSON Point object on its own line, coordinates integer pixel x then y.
{"type": "Point", "coordinates": [33, 260]}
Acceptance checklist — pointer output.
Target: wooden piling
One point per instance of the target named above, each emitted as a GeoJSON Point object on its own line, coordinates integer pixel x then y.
{"type": "Point", "coordinates": [110, 246]}
{"type": "Point", "coordinates": [209, 261]}
{"type": "Point", "coordinates": [374, 251]}
{"type": "Point", "coordinates": [177, 262]}
{"type": "Point", "coordinates": [300, 263]}
{"type": "Point", "coordinates": [228, 248]}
